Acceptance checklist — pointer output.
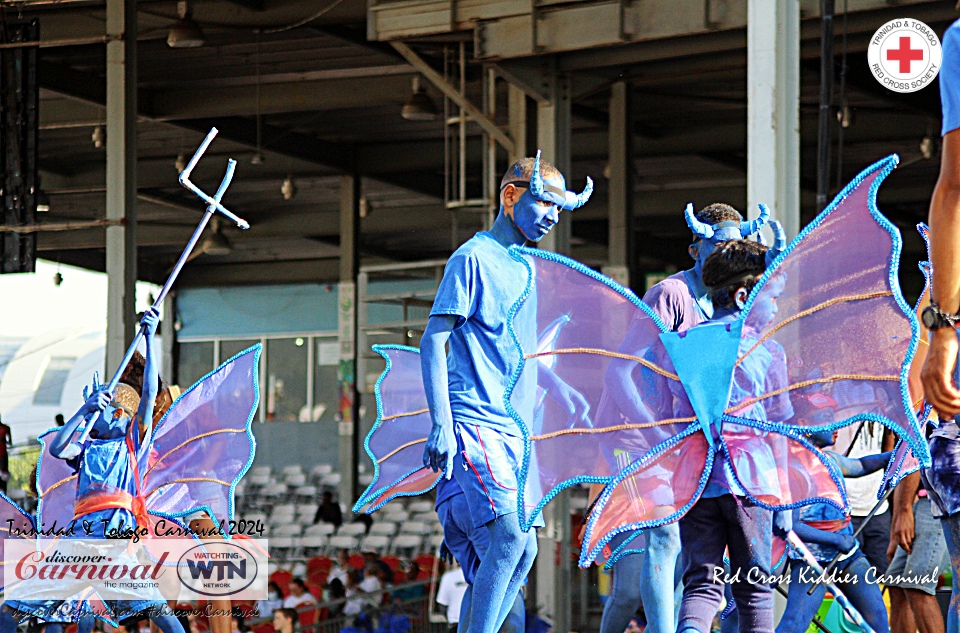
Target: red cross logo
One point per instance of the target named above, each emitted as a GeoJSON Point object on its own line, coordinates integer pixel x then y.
{"type": "Point", "coordinates": [905, 54]}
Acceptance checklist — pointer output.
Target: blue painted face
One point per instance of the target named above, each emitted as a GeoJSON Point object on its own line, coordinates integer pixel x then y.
{"type": "Point", "coordinates": [111, 422]}
{"type": "Point", "coordinates": [765, 307]}
{"type": "Point", "coordinates": [702, 248]}
{"type": "Point", "coordinates": [535, 218]}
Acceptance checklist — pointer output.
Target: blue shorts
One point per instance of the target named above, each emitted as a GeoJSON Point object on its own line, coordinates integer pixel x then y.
{"type": "Point", "coordinates": [487, 467]}
{"type": "Point", "coordinates": [465, 541]}
{"type": "Point", "coordinates": [921, 568]}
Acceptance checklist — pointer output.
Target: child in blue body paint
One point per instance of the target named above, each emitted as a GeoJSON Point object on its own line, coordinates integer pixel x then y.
{"type": "Point", "coordinates": [107, 486]}
{"type": "Point", "coordinates": [473, 436]}
{"type": "Point", "coordinates": [826, 531]}
{"type": "Point", "coordinates": [724, 518]}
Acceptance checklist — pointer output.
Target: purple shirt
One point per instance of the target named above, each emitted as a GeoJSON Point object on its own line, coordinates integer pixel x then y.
{"type": "Point", "coordinates": [673, 302]}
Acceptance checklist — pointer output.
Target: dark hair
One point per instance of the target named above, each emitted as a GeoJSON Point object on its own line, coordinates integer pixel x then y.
{"type": "Point", "coordinates": [336, 589]}
{"type": "Point", "coordinates": [733, 265]}
{"type": "Point", "coordinates": [133, 373]}
{"type": "Point", "coordinates": [275, 586]}
{"type": "Point", "coordinates": [718, 212]}
{"type": "Point", "coordinates": [290, 614]}
{"type": "Point", "coordinates": [299, 582]}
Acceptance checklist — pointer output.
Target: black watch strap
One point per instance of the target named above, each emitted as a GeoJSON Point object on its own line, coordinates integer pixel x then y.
{"type": "Point", "coordinates": [934, 318]}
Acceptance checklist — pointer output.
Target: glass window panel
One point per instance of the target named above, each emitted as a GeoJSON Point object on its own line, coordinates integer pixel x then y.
{"type": "Point", "coordinates": [286, 388]}
{"type": "Point", "coordinates": [229, 349]}
{"type": "Point", "coordinates": [196, 361]}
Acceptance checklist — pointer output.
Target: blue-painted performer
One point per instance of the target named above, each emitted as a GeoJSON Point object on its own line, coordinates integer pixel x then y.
{"type": "Point", "coordinates": [827, 531]}
{"type": "Point", "coordinates": [681, 301]}
{"type": "Point", "coordinates": [473, 436]}
{"type": "Point", "coordinates": [108, 480]}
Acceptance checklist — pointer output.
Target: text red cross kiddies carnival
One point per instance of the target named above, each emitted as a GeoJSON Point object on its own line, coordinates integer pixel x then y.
{"type": "Point", "coordinates": [905, 54]}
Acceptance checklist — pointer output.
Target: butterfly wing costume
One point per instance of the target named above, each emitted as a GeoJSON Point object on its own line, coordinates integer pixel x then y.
{"type": "Point", "coordinates": [827, 315]}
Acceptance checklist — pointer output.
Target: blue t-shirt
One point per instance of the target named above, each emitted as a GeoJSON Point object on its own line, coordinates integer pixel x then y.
{"type": "Point", "coordinates": [480, 285]}
{"type": "Point", "coordinates": [950, 79]}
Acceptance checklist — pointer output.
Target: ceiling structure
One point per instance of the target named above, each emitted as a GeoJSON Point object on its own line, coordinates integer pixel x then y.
{"type": "Point", "coordinates": [319, 99]}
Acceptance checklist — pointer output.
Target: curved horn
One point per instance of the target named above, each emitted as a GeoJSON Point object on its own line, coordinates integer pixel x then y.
{"type": "Point", "coordinates": [752, 226]}
{"type": "Point", "coordinates": [577, 200]}
{"type": "Point", "coordinates": [779, 242]}
{"type": "Point", "coordinates": [536, 182]}
{"type": "Point", "coordinates": [701, 230]}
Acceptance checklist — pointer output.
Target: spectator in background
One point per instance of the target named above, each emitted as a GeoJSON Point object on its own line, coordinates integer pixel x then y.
{"type": "Point", "coordinates": [285, 620]}
{"type": "Point", "coordinates": [342, 568]}
{"type": "Point", "coordinates": [6, 439]}
{"type": "Point", "coordinates": [237, 623]}
{"type": "Point", "coordinates": [329, 511]}
{"type": "Point", "coordinates": [370, 557]}
{"type": "Point", "coordinates": [273, 602]}
{"type": "Point", "coordinates": [335, 591]}
{"type": "Point", "coordinates": [415, 592]}
{"type": "Point", "coordinates": [298, 596]}
{"type": "Point", "coordinates": [58, 419]}
{"type": "Point", "coordinates": [450, 595]}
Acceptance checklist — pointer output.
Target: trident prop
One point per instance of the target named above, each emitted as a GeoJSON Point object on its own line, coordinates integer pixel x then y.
{"type": "Point", "coordinates": [809, 559]}
{"type": "Point", "coordinates": [213, 205]}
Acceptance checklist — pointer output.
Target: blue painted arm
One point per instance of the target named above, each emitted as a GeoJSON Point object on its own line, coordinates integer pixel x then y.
{"type": "Point", "coordinates": [96, 402]}
{"type": "Point", "coordinates": [862, 466]}
{"type": "Point", "coordinates": [441, 443]}
{"type": "Point", "coordinates": [151, 372]}
{"type": "Point", "coordinates": [843, 542]}
{"type": "Point", "coordinates": [568, 397]}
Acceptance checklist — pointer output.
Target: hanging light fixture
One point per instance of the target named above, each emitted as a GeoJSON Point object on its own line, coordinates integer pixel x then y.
{"type": "Point", "coordinates": [98, 137]}
{"type": "Point", "coordinates": [420, 107]}
{"type": "Point", "coordinates": [181, 162]}
{"type": "Point", "coordinates": [43, 201]}
{"type": "Point", "coordinates": [257, 158]}
{"type": "Point", "coordinates": [288, 190]}
{"type": "Point", "coordinates": [185, 33]}
{"type": "Point", "coordinates": [216, 243]}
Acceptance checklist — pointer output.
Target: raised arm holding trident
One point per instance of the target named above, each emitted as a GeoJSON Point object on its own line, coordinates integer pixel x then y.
{"type": "Point", "coordinates": [213, 205]}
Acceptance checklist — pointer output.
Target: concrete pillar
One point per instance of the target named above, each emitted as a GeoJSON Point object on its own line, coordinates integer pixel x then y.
{"type": "Point", "coordinates": [773, 110]}
{"type": "Point", "coordinates": [553, 139]}
{"type": "Point", "coordinates": [517, 122]}
{"type": "Point", "coordinates": [121, 202]}
{"type": "Point", "coordinates": [620, 186]}
{"type": "Point", "coordinates": [349, 407]}
{"type": "Point", "coordinates": [168, 340]}
{"type": "Point", "coordinates": [553, 562]}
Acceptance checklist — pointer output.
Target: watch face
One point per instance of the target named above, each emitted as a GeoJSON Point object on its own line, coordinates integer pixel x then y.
{"type": "Point", "coordinates": [929, 318]}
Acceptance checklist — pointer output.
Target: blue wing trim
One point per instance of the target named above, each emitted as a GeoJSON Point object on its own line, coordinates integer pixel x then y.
{"type": "Point", "coordinates": [588, 556]}
{"type": "Point", "coordinates": [372, 492]}
{"type": "Point", "coordinates": [624, 550]}
{"type": "Point", "coordinates": [882, 168]}
{"type": "Point", "coordinates": [257, 350]}
{"type": "Point", "coordinates": [527, 518]}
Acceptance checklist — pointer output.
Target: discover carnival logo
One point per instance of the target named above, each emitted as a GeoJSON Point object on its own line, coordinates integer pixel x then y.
{"type": "Point", "coordinates": [905, 55]}
{"type": "Point", "coordinates": [151, 569]}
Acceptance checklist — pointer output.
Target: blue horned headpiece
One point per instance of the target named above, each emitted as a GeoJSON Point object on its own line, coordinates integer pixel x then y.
{"type": "Point", "coordinates": [566, 200]}
{"type": "Point", "coordinates": [727, 230]}
{"type": "Point", "coordinates": [730, 230]}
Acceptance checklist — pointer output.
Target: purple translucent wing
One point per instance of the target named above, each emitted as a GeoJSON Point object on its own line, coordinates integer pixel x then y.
{"type": "Point", "coordinates": [903, 463]}
{"type": "Point", "coordinates": [395, 443]}
{"type": "Point", "coordinates": [56, 485]}
{"type": "Point", "coordinates": [831, 310]}
{"type": "Point", "coordinates": [601, 395]}
{"type": "Point", "coordinates": [652, 491]}
{"type": "Point", "coordinates": [203, 445]}
{"type": "Point", "coordinates": [778, 471]}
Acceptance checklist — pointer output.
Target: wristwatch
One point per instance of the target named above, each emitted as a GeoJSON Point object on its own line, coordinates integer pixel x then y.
{"type": "Point", "coordinates": [934, 318]}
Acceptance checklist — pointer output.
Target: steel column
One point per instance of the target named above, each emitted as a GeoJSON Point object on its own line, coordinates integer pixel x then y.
{"type": "Point", "coordinates": [553, 139]}
{"type": "Point", "coordinates": [349, 401]}
{"type": "Point", "coordinates": [121, 178]}
{"type": "Point", "coordinates": [620, 184]}
{"type": "Point", "coordinates": [773, 110]}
